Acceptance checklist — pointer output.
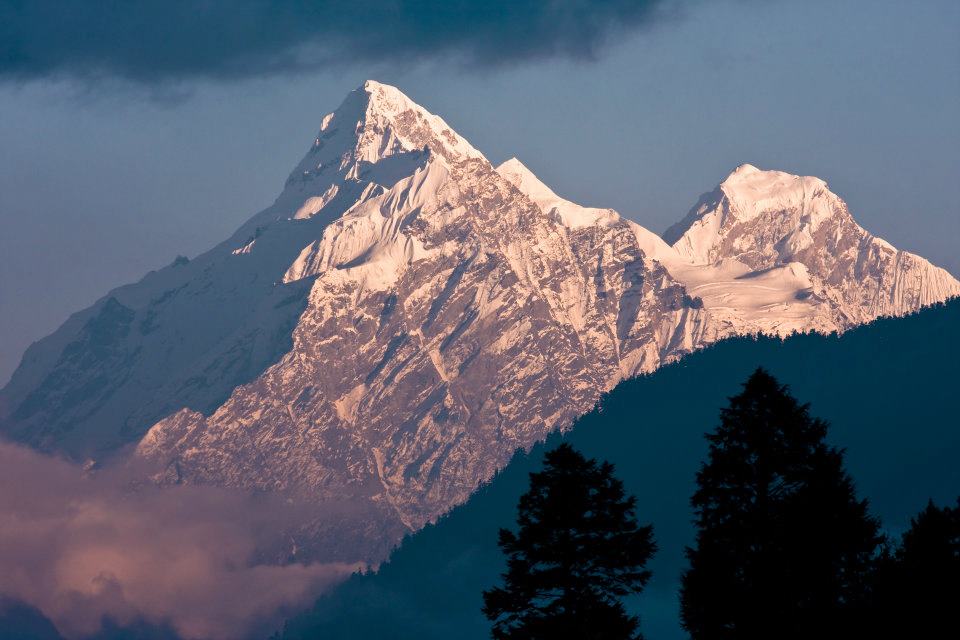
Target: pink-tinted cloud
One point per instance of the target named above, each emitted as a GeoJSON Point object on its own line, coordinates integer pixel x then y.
{"type": "Point", "coordinates": [81, 546]}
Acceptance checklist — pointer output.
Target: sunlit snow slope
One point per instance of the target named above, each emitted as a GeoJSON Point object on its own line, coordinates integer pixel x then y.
{"type": "Point", "coordinates": [405, 316]}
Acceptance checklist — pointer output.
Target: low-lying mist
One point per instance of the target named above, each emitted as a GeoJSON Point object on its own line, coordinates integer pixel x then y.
{"type": "Point", "coordinates": [90, 547]}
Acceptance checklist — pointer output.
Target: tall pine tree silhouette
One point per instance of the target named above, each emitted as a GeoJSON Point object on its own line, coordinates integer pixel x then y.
{"type": "Point", "coordinates": [918, 586]}
{"type": "Point", "coordinates": [784, 548]}
{"type": "Point", "coordinates": [578, 551]}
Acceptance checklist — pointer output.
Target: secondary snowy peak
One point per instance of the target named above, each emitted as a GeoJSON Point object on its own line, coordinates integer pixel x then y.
{"type": "Point", "coordinates": [768, 220]}
{"type": "Point", "coordinates": [754, 191]}
{"type": "Point", "coordinates": [774, 200]}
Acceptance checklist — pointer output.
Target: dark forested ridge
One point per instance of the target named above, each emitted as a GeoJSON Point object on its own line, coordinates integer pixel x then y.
{"type": "Point", "coordinates": [888, 390]}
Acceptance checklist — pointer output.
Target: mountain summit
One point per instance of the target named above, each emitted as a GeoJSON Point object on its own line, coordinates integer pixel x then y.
{"type": "Point", "coordinates": [772, 221]}
{"type": "Point", "coordinates": [406, 315]}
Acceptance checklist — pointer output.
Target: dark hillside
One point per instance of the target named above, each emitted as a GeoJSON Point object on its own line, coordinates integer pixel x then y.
{"type": "Point", "coordinates": [889, 390]}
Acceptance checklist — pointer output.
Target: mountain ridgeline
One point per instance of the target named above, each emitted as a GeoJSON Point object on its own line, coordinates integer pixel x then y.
{"type": "Point", "coordinates": [887, 389]}
{"type": "Point", "coordinates": [406, 315]}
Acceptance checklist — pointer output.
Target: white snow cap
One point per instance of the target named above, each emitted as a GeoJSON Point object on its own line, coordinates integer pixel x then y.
{"type": "Point", "coordinates": [376, 135]}
{"type": "Point", "coordinates": [747, 193]}
{"type": "Point", "coordinates": [744, 170]}
{"type": "Point", "coordinates": [388, 105]}
{"type": "Point", "coordinates": [752, 192]}
{"type": "Point", "coordinates": [764, 189]}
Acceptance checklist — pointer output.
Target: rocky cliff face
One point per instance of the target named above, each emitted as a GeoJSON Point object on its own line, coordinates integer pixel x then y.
{"type": "Point", "coordinates": [451, 321]}
{"type": "Point", "coordinates": [406, 316]}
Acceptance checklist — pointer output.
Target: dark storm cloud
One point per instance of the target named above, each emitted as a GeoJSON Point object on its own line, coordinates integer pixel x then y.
{"type": "Point", "coordinates": [152, 41]}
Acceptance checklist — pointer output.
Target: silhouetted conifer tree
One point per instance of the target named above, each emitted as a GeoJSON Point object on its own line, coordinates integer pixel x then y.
{"type": "Point", "coordinates": [783, 549]}
{"type": "Point", "coordinates": [918, 586]}
{"type": "Point", "coordinates": [578, 551]}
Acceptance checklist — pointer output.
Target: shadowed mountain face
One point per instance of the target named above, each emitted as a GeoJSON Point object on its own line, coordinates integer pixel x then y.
{"type": "Point", "coordinates": [405, 316]}
{"type": "Point", "coordinates": [23, 622]}
{"type": "Point", "coordinates": [887, 389]}
{"type": "Point", "coordinates": [19, 621]}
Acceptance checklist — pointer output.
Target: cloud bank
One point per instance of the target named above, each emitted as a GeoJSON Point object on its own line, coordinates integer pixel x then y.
{"type": "Point", "coordinates": [161, 40]}
{"type": "Point", "coordinates": [85, 549]}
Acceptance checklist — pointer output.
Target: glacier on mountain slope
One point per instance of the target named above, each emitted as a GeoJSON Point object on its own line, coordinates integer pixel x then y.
{"type": "Point", "coordinates": [441, 313]}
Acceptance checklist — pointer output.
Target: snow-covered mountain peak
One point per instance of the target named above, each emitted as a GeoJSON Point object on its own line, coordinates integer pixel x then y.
{"type": "Point", "coordinates": [377, 136]}
{"type": "Point", "coordinates": [766, 220]}
{"type": "Point", "coordinates": [372, 86]}
{"type": "Point", "coordinates": [743, 170]}
{"type": "Point", "coordinates": [406, 124]}
{"type": "Point", "coordinates": [754, 190]}
{"type": "Point", "coordinates": [760, 204]}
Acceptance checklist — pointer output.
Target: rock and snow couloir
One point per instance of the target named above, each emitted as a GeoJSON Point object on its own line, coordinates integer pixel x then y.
{"type": "Point", "coordinates": [405, 316]}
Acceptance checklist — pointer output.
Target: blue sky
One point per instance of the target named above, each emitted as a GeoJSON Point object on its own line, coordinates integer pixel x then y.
{"type": "Point", "coordinates": [103, 180]}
